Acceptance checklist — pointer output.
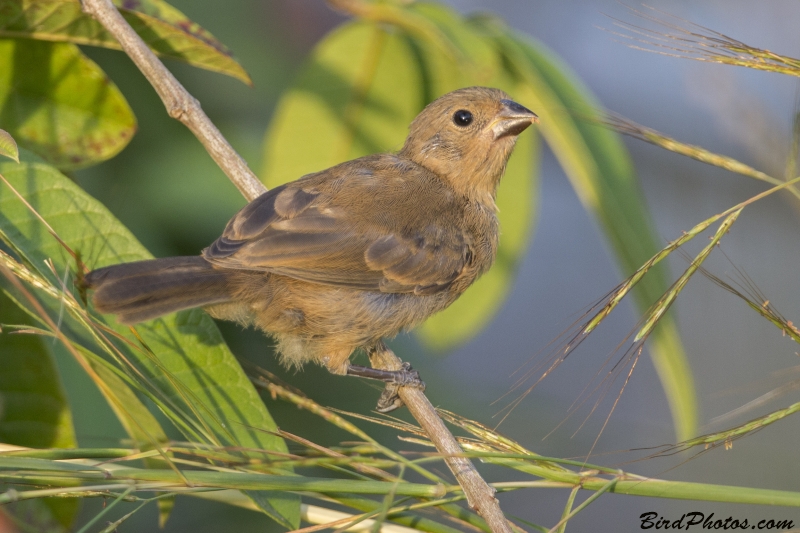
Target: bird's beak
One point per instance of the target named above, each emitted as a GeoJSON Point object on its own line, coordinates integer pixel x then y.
{"type": "Point", "coordinates": [512, 119]}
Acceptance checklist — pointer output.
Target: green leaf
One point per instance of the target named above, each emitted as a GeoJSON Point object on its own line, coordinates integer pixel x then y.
{"type": "Point", "coordinates": [138, 422]}
{"type": "Point", "coordinates": [34, 411]}
{"type": "Point", "coordinates": [361, 88]}
{"type": "Point", "coordinates": [356, 95]}
{"type": "Point", "coordinates": [192, 368]}
{"type": "Point", "coordinates": [59, 104]}
{"type": "Point", "coordinates": [8, 146]}
{"type": "Point", "coordinates": [167, 31]}
{"type": "Point", "coordinates": [600, 170]}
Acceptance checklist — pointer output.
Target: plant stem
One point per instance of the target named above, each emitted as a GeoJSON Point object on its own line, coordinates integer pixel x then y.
{"type": "Point", "coordinates": [179, 103]}
{"type": "Point", "coordinates": [480, 496]}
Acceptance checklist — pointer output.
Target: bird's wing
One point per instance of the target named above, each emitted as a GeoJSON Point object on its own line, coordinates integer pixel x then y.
{"type": "Point", "coordinates": [301, 233]}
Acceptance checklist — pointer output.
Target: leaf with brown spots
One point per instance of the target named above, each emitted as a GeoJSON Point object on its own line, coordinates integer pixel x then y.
{"type": "Point", "coordinates": [58, 103]}
{"type": "Point", "coordinates": [167, 31]}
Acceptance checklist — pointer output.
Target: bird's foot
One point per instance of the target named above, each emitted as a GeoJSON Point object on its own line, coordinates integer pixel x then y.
{"type": "Point", "coordinates": [390, 399]}
{"type": "Point", "coordinates": [394, 379]}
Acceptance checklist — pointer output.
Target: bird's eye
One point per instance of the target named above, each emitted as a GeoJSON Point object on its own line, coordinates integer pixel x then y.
{"type": "Point", "coordinates": [462, 118]}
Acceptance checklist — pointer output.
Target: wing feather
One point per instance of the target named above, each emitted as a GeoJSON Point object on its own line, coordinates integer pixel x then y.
{"type": "Point", "coordinates": [297, 231]}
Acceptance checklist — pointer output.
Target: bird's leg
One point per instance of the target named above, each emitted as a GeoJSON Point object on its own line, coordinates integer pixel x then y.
{"type": "Point", "coordinates": [406, 376]}
{"type": "Point", "coordinates": [394, 379]}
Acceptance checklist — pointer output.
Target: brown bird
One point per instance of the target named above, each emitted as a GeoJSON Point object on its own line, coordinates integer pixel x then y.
{"type": "Point", "coordinates": [342, 258]}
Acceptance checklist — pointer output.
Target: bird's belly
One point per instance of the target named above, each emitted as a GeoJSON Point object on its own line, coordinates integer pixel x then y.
{"type": "Point", "coordinates": [323, 323]}
{"type": "Point", "coordinates": [357, 317]}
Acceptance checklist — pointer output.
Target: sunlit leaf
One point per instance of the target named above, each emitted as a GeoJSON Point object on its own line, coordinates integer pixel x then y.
{"type": "Point", "coordinates": [165, 29]}
{"type": "Point", "coordinates": [356, 95]}
{"type": "Point", "coordinates": [600, 170]}
{"type": "Point", "coordinates": [193, 368]}
{"type": "Point", "coordinates": [473, 60]}
{"type": "Point", "coordinates": [34, 411]}
{"type": "Point", "coordinates": [8, 146]}
{"type": "Point", "coordinates": [59, 104]}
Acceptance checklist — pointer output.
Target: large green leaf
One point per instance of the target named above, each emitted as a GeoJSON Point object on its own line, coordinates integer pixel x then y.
{"type": "Point", "coordinates": [165, 29]}
{"type": "Point", "coordinates": [193, 370]}
{"type": "Point", "coordinates": [361, 88]}
{"type": "Point", "coordinates": [34, 411]}
{"type": "Point", "coordinates": [600, 170]}
{"type": "Point", "coordinates": [356, 95]}
{"type": "Point", "coordinates": [59, 104]}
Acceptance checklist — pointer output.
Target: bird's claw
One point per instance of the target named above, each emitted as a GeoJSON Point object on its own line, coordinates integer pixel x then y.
{"type": "Point", "coordinates": [408, 377]}
{"type": "Point", "coordinates": [405, 377]}
{"type": "Point", "coordinates": [390, 399]}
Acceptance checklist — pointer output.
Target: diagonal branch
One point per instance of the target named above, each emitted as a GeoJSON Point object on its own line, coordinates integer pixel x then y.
{"type": "Point", "coordinates": [184, 107]}
{"type": "Point", "coordinates": [480, 496]}
{"type": "Point", "coordinates": [179, 103]}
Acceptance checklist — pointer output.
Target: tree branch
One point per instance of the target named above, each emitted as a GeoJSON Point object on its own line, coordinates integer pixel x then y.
{"type": "Point", "coordinates": [179, 103]}
{"type": "Point", "coordinates": [184, 107]}
{"type": "Point", "coordinates": [480, 496]}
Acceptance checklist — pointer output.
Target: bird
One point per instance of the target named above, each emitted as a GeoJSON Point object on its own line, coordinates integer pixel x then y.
{"type": "Point", "coordinates": [343, 258]}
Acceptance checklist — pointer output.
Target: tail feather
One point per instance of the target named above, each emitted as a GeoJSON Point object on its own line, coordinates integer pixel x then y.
{"type": "Point", "coordinates": [148, 289]}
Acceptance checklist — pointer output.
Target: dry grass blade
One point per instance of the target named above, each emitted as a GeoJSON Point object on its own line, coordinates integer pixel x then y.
{"type": "Point", "coordinates": [591, 319]}
{"type": "Point", "coordinates": [685, 39]}
{"type": "Point", "coordinates": [668, 299]}
{"type": "Point", "coordinates": [643, 133]}
{"type": "Point", "coordinates": [574, 335]}
{"type": "Point", "coordinates": [39, 217]}
{"type": "Point", "coordinates": [747, 290]}
{"type": "Point", "coordinates": [757, 402]}
{"type": "Point", "coordinates": [725, 438]}
{"type": "Point", "coordinates": [266, 380]}
{"type": "Point", "coordinates": [658, 311]}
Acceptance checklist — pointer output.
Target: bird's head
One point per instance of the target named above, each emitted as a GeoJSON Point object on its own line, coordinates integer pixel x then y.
{"type": "Point", "coordinates": [467, 136]}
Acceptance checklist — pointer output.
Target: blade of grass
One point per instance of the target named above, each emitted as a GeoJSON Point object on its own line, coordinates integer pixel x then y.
{"type": "Point", "coordinates": [698, 153]}
{"type": "Point", "coordinates": [186, 347]}
{"type": "Point", "coordinates": [661, 307]}
{"type": "Point", "coordinates": [567, 509]}
{"type": "Point", "coordinates": [602, 175]}
{"type": "Point", "coordinates": [106, 509]}
{"type": "Point", "coordinates": [622, 290]}
{"type": "Point", "coordinates": [693, 41]}
{"type": "Point", "coordinates": [563, 522]}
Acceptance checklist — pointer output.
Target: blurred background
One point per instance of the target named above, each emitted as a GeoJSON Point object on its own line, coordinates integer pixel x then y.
{"type": "Point", "coordinates": [166, 189]}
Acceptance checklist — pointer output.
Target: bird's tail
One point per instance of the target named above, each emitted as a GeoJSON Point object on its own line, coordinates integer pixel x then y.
{"type": "Point", "coordinates": [148, 289]}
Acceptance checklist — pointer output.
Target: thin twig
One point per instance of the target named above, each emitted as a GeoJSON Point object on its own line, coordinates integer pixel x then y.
{"type": "Point", "coordinates": [184, 107]}
{"type": "Point", "coordinates": [179, 103]}
{"type": "Point", "coordinates": [480, 496]}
